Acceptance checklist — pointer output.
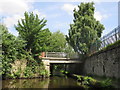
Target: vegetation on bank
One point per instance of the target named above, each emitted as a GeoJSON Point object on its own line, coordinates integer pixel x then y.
{"type": "Point", "coordinates": [89, 82]}
{"type": "Point", "coordinates": [33, 39]}
{"type": "Point", "coordinates": [116, 44]}
{"type": "Point", "coordinates": [108, 47]}
{"type": "Point", "coordinates": [13, 48]}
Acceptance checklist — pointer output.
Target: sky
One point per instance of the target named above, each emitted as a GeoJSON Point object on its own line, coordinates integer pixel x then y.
{"type": "Point", "coordinates": [59, 14]}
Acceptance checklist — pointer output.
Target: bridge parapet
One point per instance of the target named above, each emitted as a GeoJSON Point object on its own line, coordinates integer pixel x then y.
{"type": "Point", "coordinates": [59, 55]}
{"type": "Point", "coordinates": [48, 61]}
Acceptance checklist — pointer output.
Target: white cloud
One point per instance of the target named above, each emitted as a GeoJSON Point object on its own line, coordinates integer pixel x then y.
{"type": "Point", "coordinates": [10, 7]}
{"type": "Point", "coordinates": [11, 20]}
{"type": "Point", "coordinates": [13, 10]}
{"type": "Point", "coordinates": [69, 8]}
{"type": "Point", "coordinates": [74, 0]}
{"type": "Point", "coordinates": [40, 14]}
{"type": "Point", "coordinates": [99, 16]}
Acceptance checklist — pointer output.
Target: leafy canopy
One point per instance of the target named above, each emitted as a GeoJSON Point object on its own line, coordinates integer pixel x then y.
{"type": "Point", "coordinates": [33, 31]}
{"type": "Point", "coordinates": [12, 49]}
{"type": "Point", "coordinates": [85, 30]}
{"type": "Point", "coordinates": [57, 42]}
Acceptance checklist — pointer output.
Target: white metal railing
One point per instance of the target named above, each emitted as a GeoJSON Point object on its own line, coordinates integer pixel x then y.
{"type": "Point", "coordinates": [61, 55]}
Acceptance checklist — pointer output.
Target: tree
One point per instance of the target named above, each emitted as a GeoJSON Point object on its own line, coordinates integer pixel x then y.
{"type": "Point", "coordinates": [32, 30]}
{"type": "Point", "coordinates": [85, 30]}
{"type": "Point", "coordinates": [57, 42]}
{"type": "Point", "coordinates": [12, 49]}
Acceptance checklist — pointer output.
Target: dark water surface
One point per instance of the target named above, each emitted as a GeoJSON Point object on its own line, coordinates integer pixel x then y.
{"type": "Point", "coordinates": [52, 82]}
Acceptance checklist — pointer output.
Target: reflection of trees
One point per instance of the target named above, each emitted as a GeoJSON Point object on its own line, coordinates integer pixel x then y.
{"type": "Point", "coordinates": [62, 82]}
{"type": "Point", "coordinates": [53, 82]}
{"type": "Point", "coordinates": [26, 83]}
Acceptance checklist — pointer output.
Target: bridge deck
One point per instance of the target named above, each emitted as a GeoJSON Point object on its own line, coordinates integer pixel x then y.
{"type": "Point", "coordinates": [55, 58]}
{"type": "Point", "coordinates": [60, 60]}
{"type": "Point", "coordinates": [57, 62]}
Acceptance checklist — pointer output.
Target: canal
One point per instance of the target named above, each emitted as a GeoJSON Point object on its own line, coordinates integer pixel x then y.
{"type": "Point", "coordinates": [52, 82]}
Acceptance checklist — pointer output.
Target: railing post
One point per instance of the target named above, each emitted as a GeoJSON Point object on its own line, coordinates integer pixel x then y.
{"type": "Point", "coordinates": [103, 42]}
{"type": "Point", "coordinates": [115, 35]}
{"type": "Point", "coordinates": [45, 54]}
{"type": "Point", "coordinates": [118, 32]}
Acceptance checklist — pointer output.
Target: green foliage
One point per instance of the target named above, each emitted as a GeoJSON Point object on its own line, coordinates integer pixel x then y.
{"type": "Point", "coordinates": [89, 82]}
{"type": "Point", "coordinates": [64, 72]}
{"type": "Point", "coordinates": [33, 38]}
{"type": "Point", "coordinates": [106, 83]}
{"type": "Point", "coordinates": [32, 30]}
{"type": "Point", "coordinates": [85, 79]}
{"type": "Point", "coordinates": [17, 74]}
{"type": "Point", "coordinates": [85, 30]}
{"type": "Point", "coordinates": [12, 49]}
{"type": "Point", "coordinates": [28, 72]}
{"type": "Point", "coordinates": [58, 67]}
{"type": "Point", "coordinates": [117, 43]}
{"type": "Point", "coordinates": [44, 73]}
{"type": "Point", "coordinates": [57, 42]}
{"type": "Point", "coordinates": [39, 39]}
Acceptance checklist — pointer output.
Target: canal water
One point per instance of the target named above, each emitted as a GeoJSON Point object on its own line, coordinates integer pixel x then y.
{"type": "Point", "coordinates": [52, 82]}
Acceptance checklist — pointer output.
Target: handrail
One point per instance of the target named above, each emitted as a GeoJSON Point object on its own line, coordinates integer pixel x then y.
{"type": "Point", "coordinates": [107, 39]}
{"type": "Point", "coordinates": [111, 37]}
{"type": "Point", "coordinates": [59, 55]}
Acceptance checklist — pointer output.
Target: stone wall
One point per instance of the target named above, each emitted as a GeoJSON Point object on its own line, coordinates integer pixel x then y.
{"type": "Point", "coordinates": [47, 65]}
{"type": "Point", "coordinates": [19, 69]}
{"type": "Point", "coordinates": [18, 65]}
{"type": "Point", "coordinates": [104, 63]}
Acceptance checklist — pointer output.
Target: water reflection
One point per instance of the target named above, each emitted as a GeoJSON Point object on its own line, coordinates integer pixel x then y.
{"type": "Point", "coordinates": [52, 82]}
{"type": "Point", "coordinates": [26, 83]}
{"type": "Point", "coordinates": [63, 82]}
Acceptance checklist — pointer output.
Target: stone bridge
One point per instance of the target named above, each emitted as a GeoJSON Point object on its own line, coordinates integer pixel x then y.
{"type": "Point", "coordinates": [58, 58]}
